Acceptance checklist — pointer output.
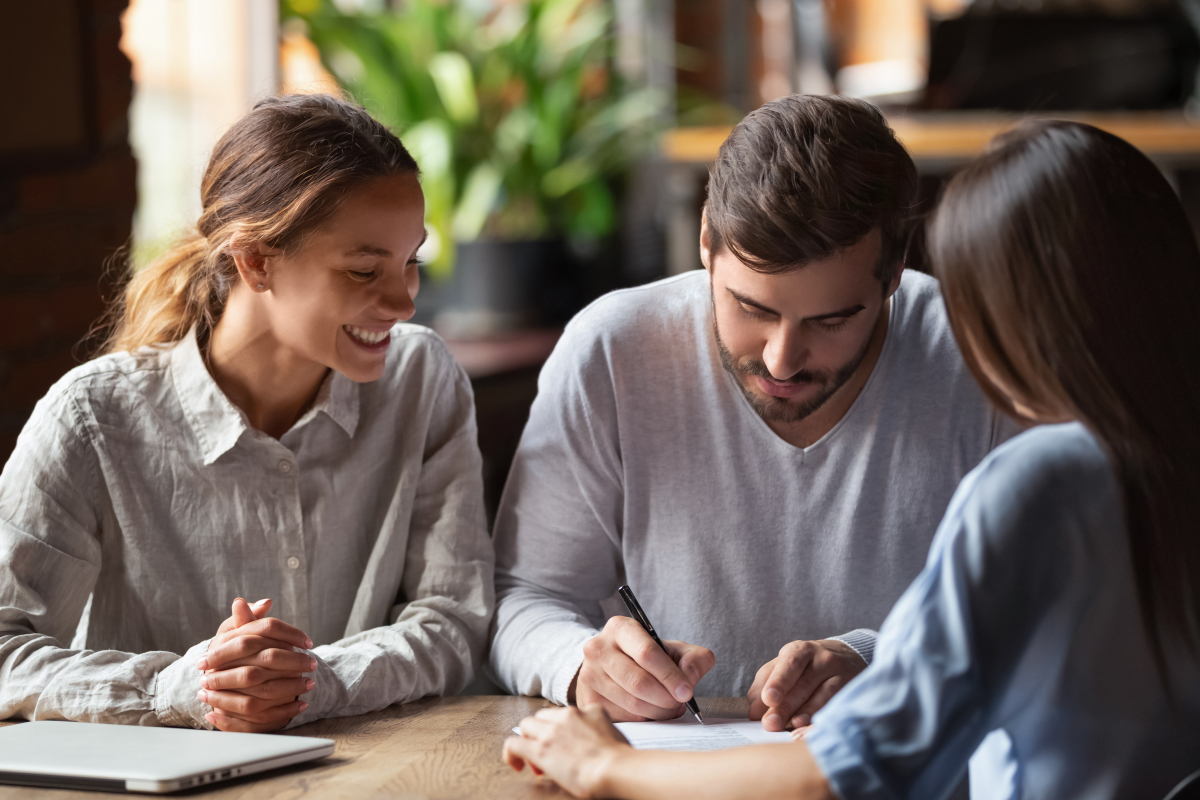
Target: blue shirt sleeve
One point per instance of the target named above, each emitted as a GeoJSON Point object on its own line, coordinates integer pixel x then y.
{"type": "Point", "coordinates": [946, 655]}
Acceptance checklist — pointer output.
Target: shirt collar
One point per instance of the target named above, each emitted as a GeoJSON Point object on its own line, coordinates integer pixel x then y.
{"type": "Point", "coordinates": [337, 399]}
{"type": "Point", "coordinates": [216, 422]}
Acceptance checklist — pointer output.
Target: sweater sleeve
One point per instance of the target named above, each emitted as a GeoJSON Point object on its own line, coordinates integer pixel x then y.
{"type": "Point", "coordinates": [558, 529]}
{"type": "Point", "coordinates": [438, 634]}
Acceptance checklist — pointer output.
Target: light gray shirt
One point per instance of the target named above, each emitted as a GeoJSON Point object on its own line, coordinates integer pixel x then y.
{"type": "Point", "coordinates": [139, 502]}
{"type": "Point", "coordinates": [643, 462]}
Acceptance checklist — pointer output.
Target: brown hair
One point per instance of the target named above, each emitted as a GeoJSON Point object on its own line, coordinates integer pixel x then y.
{"type": "Point", "coordinates": [806, 176]}
{"type": "Point", "coordinates": [274, 177]}
{"type": "Point", "coordinates": [1070, 269]}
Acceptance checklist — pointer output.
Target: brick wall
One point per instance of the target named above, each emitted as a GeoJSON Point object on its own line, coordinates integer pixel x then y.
{"type": "Point", "coordinates": [58, 229]}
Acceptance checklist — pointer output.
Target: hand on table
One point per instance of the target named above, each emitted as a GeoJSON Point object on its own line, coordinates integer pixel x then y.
{"type": "Point", "coordinates": [570, 746]}
{"type": "Point", "coordinates": [253, 676]}
{"type": "Point", "coordinates": [628, 675]}
{"type": "Point", "coordinates": [790, 688]}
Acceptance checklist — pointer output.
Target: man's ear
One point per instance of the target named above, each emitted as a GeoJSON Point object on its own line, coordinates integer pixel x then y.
{"type": "Point", "coordinates": [705, 242]}
{"type": "Point", "coordinates": [251, 260]}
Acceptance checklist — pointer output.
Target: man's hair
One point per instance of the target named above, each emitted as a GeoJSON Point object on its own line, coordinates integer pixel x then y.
{"type": "Point", "coordinates": [806, 176]}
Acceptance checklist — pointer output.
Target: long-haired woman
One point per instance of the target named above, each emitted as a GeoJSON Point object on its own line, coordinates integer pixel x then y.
{"type": "Point", "coordinates": [1059, 611]}
{"type": "Point", "coordinates": [260, 426]}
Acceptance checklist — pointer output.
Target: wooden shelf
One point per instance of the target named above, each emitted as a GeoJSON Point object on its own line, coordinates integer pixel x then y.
{"type": "Point", "coordinates": [949, 138]}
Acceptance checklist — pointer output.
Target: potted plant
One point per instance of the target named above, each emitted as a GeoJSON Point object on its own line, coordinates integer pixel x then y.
{"type": "Point", "coordinates": [520, 126]}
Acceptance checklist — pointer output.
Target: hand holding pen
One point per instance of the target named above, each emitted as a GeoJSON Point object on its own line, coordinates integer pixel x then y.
{"type": "Point", "coordinates": [632, 678]}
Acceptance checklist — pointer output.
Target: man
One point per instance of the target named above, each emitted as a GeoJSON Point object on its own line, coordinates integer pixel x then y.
{"type": "Point", "coordinates": [762, 449]}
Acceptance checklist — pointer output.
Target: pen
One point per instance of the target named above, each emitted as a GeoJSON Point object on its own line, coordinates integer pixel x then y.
{"type": "Point", "coordinates": [635, 609]}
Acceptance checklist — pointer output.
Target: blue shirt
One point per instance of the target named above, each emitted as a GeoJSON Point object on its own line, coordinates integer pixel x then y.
{"type": "Point", "coordinates": [1025, 619]}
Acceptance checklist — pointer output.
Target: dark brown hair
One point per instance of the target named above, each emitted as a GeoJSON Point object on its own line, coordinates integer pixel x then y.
{"type": "Point", "coordinates": [273, 178]}
{"type": "Point", "coordinates": [1070, 269]}
{"type": "Point", "coordinates": [806, 176]}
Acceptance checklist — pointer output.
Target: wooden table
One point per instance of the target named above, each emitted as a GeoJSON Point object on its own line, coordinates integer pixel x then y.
{"type": "Point", "coordinates": [437, 748]}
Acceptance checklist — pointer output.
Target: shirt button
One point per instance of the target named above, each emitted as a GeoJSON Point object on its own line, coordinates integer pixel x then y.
{"type": "Point", "coordinates": [293, 562]}
{"type": "Point", "coordinates": [285, 466]}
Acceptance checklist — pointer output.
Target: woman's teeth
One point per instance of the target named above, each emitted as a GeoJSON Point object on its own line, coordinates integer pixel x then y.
{"type": "Point", "coordinates": [365, 336]}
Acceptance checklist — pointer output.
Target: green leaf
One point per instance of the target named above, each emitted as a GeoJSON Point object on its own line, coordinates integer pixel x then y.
{"type": "Point", "coordinates": [451, 74]}
{"type": "Point", "coordinates": [479, 197]}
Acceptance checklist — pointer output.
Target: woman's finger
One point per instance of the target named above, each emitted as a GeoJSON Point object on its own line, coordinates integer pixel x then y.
{"type": "Point", "coordinates": [517, 752]}
{"type": "Point", "coordinates": [275, 655]}
{"type": "Point", "coordinates": [252, 680]}
{"type": "Point", "coordinates": [224, 722]}
{"type": "Point", "coordinates": [252, 709]}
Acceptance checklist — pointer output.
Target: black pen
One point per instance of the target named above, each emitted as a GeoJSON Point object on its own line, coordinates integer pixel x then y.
{"type": "Point", "coordinates": [635, 610]}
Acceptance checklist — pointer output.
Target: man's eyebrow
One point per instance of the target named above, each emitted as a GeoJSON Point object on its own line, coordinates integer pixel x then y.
{"type": "Point", "coordinates": [848, 311]}
{"type": "Point", "coordinates": [746, 301]}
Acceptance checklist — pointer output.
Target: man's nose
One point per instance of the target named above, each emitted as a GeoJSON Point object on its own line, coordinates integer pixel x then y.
{"type": "Point", "coordinates": [785, 352]}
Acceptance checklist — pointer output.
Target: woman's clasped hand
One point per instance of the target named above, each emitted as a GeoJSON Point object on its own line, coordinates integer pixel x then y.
{"type": "Point", "coordinates": [253, 675]}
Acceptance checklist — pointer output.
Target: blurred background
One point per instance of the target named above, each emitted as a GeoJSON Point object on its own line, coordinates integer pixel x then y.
{"type": "Point", "coordinates": [564, 143]}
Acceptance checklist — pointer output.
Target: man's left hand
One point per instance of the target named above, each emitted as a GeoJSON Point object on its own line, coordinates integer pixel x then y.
{"type": "Point", "coordinates": [790, 688]}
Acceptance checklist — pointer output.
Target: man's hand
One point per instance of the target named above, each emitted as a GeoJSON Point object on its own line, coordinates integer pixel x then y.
{"type": "Point", "coordinates": [253, 676]}
{"type": "Point", "coordinates": [628, 675]}
{"type": "Point", "coordinates": [790, 688]}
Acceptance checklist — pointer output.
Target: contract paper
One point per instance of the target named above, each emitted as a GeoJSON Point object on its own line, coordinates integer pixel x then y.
{"type": "Point", "coordinates": [687, 734]}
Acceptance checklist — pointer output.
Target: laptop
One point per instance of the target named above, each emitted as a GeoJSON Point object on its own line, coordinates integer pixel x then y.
{"type": "Point", "coordinates": [132, 758]}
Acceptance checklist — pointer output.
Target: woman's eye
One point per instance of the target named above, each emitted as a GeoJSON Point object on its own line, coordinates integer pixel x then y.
{"type": "Point", "coordinates": [363, 276]}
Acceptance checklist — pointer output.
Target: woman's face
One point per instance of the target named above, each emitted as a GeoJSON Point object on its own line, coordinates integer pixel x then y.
{"type": "Point", "coordinates": [334, 301]}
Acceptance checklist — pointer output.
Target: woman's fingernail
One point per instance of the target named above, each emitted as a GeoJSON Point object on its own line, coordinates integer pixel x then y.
{"type": "Point", "coordinates": [798, 735]}
{"type": "Point", "coordinates": [202, 696]}
{"type": "Point", "coordinates": [312, 665]}
{"type": "Point", "coordinates": [304, 706]}
{"type": "Point", "coordinates": [260, 602]}
{"type": "Point", "coordinates": [771, 697]}
{"type": "Point", "coordinates": [774, 720]}
{"type": "Point", "coordinates": [682, 693]}
{"type": "Point", "coordinates": [202, 664]}
{"type": "Point", "coordinates": [309, 684]}
{"type": "Point", "coordinates": [204, 681]}
{"type": "Point", "coordinates": [308, 642]}
{"type": "Point", "coordinates": [801, 721]}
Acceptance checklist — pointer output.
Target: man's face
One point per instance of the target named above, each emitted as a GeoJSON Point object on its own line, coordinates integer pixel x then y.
{"type": "Point", "coordinates": [792, 340]}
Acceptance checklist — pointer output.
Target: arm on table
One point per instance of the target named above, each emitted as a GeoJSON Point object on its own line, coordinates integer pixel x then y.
{"type": "Point", "coordinates": [436, 639]}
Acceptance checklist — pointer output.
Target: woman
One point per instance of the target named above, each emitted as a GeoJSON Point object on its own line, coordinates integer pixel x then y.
{"type": "Point", "coordinates": [1060, 602]}
{"type": "Point", "coordinates": [260, 426]}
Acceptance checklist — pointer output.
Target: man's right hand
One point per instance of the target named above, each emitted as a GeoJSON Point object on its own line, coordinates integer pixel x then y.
{"type": "Point", "coordinates": [629, 675]}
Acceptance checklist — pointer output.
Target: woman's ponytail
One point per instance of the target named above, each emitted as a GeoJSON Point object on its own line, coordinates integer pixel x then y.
{"type": "Point", "coordinates": [274, 177]}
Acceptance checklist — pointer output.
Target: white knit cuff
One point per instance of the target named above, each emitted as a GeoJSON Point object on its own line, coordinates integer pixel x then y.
{"type": "Point", "coordinates": [861, 641]}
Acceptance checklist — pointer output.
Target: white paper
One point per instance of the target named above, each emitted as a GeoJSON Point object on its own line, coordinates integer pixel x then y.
{"type": "Point", "coordinates": [688, 734]}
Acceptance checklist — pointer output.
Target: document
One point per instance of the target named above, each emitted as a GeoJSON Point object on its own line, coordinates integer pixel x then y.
{"type": "Point", "coordinates": [687, 734]}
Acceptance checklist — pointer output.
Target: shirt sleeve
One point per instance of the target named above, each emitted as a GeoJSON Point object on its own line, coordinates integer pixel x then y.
{"type": "Point", "coordinates": [438, 635]}
{"type": "Point", "coordinates": [906, 727]}
{"type": "Point", "coordinates": [50, 558]}
{"type": "Point", "coordinates": [558, 529]}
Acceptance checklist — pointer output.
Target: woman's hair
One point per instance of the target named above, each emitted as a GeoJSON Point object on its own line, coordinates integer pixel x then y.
{"type": "Point", "coordinates": [274, 177]}
{"type": "Point", "coordinates": [1070, 270]}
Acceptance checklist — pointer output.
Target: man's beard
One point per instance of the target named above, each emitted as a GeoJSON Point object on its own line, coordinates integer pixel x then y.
{"type": "Point", "coordinates": [780, 409]}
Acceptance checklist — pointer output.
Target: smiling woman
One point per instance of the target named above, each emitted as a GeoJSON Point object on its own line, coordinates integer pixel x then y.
{"type": "Point", "coordinates": [263, 424]}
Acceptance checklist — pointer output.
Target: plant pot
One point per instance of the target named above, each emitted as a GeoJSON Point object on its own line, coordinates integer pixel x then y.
{"type": "Point", "coordinates": [501, 286]}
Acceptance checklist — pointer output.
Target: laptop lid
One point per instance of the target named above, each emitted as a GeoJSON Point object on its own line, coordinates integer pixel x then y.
{"type": "Point", "coordinates": [81, 755]}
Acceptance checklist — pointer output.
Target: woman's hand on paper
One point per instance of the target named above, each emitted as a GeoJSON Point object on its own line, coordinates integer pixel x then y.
{"type": "Point", "coordinates": [253, 676]}
{"type": "Point", "coordinates": [573, 747]}
{"type": "Point", "coordinates": [792, 687]}
{"type": "Point", "coordinates": [628, 675]}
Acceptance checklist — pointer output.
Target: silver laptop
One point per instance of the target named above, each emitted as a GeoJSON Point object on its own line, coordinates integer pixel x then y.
{"type": "Point", "coordinates": [131, 758]}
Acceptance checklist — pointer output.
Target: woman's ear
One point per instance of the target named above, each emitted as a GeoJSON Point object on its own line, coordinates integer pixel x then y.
{"type": "Point", "coordinates": [251, 259]}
